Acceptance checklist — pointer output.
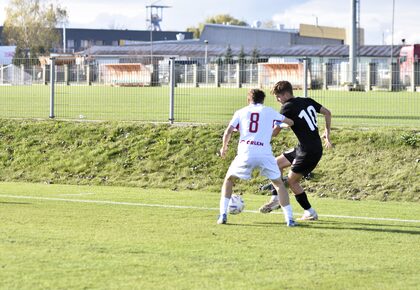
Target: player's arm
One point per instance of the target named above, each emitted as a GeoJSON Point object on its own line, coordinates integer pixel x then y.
{"type": "Point", "coordinates": [288, 121]}
{"type": "Point", "coordinates": [327, 115]}
{"type": "Point", "coordinates": [281, 125]}
{"type": "Point", "coordinates": [276, 131]}
{"type": "Point", "coordinates": [226, 138]}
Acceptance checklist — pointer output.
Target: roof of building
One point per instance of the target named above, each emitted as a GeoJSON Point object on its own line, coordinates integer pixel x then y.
{"type": "Point", "coordinates": [196, 48]}
{"type": "Point", "coordinates": [259, 37]}
{"type": "Point", "coordinates": [118, 34]}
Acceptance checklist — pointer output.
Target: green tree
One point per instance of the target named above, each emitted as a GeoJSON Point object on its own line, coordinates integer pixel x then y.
{"type": "Point", "coordinates": [195, 30]}
{"type": "Point", "coordinates": [217, 19]}
{"type": "Point", "coordinates": [255, 56]}
{"type": "Point", "coordinates": [30, 25]}
{"type": "Point", "coordinates": [242, 55]}
{"type": "Point", "coordinates": [228, 55]}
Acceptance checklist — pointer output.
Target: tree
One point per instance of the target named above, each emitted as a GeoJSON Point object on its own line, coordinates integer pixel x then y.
{"type": "Point", "coordinates": [242, 55]}
{"type": "Point", "coordinates": [30, 25]}
{"type": "Point", "coordinates": [228, 55]}
{"type": "Point", "coordinates": [217, 19]}
{"type": "Point", "coordinates": [255, 56]}
{"type": "Point", "coordinates": [195, 30]}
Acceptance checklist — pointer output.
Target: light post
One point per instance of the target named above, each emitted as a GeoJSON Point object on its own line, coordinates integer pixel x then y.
{"type": "Point", "coordinates": [206, 42]}
{"type": "Point", "coordinates": [392, 31]}
{"type": "Point", "coordinates": [64, 37]}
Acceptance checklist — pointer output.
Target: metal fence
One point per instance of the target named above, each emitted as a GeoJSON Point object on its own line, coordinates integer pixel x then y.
{"type": "Point", "coordinates": [165, 89]}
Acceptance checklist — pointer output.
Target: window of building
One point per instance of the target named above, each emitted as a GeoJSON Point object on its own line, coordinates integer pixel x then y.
{"type": "Point", "coordinates": [84, 43]}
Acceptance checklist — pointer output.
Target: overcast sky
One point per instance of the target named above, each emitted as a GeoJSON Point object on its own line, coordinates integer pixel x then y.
{"type": "Point", "coordinates": [375, 15]}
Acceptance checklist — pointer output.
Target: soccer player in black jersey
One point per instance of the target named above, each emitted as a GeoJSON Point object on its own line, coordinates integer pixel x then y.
{"type": "Point", "coordinates": [305, 157]}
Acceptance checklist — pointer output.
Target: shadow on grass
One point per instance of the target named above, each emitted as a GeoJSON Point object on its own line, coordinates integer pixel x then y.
{"type": "Point", "coordinates": [333, 225]}
{"type": "Point", "coordinates": [12, 202]}
{"type": "Point", "coordinates": [405, 225]}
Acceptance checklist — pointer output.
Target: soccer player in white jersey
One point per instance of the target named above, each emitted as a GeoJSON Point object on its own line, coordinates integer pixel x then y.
{"type": "Point", "coordinates": [255, 124]}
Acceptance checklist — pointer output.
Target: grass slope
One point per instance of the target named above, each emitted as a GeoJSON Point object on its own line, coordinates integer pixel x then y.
{"type": "Point", "coordinates": [378, 163]}
{"type": "Point", "coordinates": [58, 244]}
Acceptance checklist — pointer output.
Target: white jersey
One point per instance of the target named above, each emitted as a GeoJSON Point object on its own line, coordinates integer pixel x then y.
{"type": "Point", "coordinates": [255, 124]}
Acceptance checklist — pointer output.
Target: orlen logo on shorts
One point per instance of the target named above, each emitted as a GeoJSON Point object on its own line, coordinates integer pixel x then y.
{"type": "Point", "coordinates": [251, 142]}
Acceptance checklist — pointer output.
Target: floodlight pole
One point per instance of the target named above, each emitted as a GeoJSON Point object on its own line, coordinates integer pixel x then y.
{"type": "Point", "coordinates": [392, 32]}
{"type": "Point", "coordinates": [353, 43]}
{"type": "Point", "coordinates": [64, 37]}
{"type": "Point", "coordinates": [151, 45]}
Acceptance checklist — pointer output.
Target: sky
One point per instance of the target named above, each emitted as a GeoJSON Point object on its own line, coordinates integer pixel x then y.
{"type": "Point", "coordinates": [375, 15]}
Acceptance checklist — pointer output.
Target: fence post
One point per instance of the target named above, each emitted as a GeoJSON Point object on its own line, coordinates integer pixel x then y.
{"type": "Point", "coordinates": [413, 77]}
{"type": "Point", "coordinates": [324, 69]}
{"type": "Point", "coordinates": [88, 75]}
{"type": "Point", "coordinates": [371, 71]}
{"type": "Point", "coordinates": [171, 89]}
{"type": "Point", "coordinates": [33, 73]}
{"type": "Point", "coordinates": [195, 73]}
{"type": "Point", "coordinates": [44, 75]}
{"type": "Point", "coordinates": [77, 73]}
{"type": "Point", "coordinates": [22, 74]}
{"type": "Point", "coordinates": [251, 67]}
{"type": "Point", "coordinates": [238, 75]}
{"type": "Point", "coordinates": [185, 73]}
{"type": "Point", "coordinates": [52, 85]}
{"type": "Point", "coordinates": [305, 77]}
{"type": "Point", "coordinates": [67, 74]}
{"type": "Point", "coordinates": [1, 74]}
{"type": "Point", "coordinates": [394, 83]}
{"type": "Point", "coordinates": [207, 74]}
{"type": "Point", "coordinates": [217, 75]}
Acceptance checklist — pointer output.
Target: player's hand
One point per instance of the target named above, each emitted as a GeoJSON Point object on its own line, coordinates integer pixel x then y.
{"type": "Point", "coordinates": [328, 144]}
{"type": "Point", "coordinates": [223, 152]}
{"type": "Point", "coordinates": [327, 141]}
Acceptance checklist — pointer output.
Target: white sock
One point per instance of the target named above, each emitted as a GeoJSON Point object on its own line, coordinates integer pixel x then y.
{"type": "Point", "coordinates": [288, 213]}
{"type": "Point", "coordinates": [311, 211]}
{"type": "Point", "coordinates": [274, 198]}
{"type": "Point", "coordinates": [224, 202]}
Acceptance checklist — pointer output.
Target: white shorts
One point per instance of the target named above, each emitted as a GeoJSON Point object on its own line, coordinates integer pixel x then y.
{"type": "Point", "coordinates": [242, 166]}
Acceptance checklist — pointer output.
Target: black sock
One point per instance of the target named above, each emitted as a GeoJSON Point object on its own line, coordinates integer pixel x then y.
{"type": "Point", "coordinates": [302, 199]}
{"type": "Point", "coordinates": [273, 191]}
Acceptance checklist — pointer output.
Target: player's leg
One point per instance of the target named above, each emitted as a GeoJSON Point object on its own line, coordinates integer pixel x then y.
{"type": "Point", "coordinates": [226, 193]}
{"type": "Point", "coordinates": [301, 197]}
{"type": "Point", "coordinates": [270, 169]}
{"type": "Point", "coordinates": [300, 168]}
{"type": "Point", "coordinates": [239, 168]}
{"type": "Point", "coordinates": [283, 161]}
{"type": "Point", "coordinates": [284, 201]}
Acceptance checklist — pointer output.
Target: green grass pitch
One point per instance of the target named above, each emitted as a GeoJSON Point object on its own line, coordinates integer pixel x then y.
{"type": "Point", "coordinates": [87, 237]}
{"type": "Point", "coordinates": [202, 105]}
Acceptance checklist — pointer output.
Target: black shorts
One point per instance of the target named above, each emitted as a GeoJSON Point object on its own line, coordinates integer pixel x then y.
{"type": "Point", "coordinates": [303, 162]}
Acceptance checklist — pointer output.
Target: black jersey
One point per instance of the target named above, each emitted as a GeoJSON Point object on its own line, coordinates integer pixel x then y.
{"type": "Point", "coordinates": [303, 112]}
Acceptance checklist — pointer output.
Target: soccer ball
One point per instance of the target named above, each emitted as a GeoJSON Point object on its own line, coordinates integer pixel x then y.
{"type": "Point", "coordinates": [236, 204]}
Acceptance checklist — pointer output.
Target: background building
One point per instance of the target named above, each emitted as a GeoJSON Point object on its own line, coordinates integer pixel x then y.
{"type": "Point", "coordinates": [263, 37]}
{"type": "Point", "coordinates": [78, 39]}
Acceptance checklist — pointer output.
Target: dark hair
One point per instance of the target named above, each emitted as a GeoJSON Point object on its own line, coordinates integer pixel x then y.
{"type": "Point", "coordinates": [257, 95]}
{"type": "Point", "coordinates": [282, 87]}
